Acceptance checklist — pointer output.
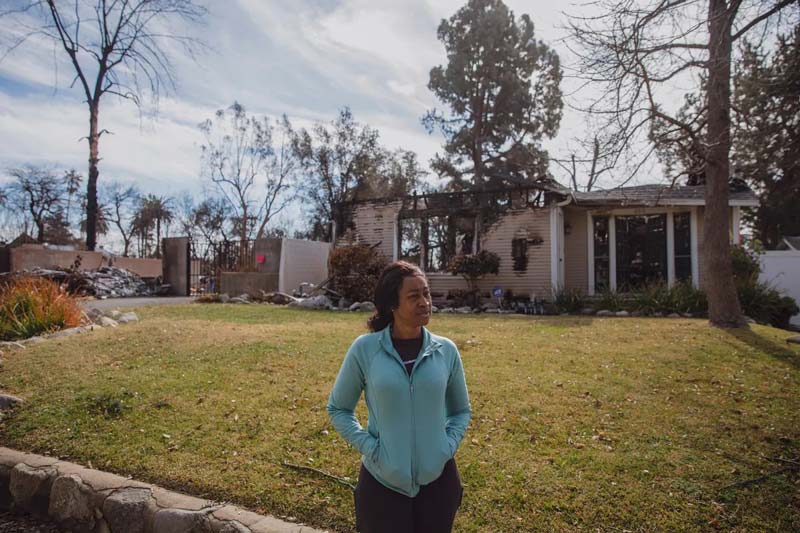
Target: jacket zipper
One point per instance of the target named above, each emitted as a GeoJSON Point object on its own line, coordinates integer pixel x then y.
{"type": "Point", "coordinates": [413, 431]}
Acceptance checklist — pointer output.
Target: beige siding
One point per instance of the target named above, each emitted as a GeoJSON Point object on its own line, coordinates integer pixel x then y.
{"type": "Point", "coordinates": [576, 270]}
{"type": "Point", "coordinates": [535, 281]}
{"type": "Point", "coordinates": [376, 223]}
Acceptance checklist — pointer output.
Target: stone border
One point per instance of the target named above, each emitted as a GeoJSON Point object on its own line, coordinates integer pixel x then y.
{"type": "Point", "coordinates": [85, 500]}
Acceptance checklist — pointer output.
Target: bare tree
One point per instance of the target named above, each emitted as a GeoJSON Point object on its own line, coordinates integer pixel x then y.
{"type": "Point", "coordinates": [121, 202]}
{"type": "Point", "coordinates": [37, 195]}
{"type": "Point", "coordinates": [117, 47]}
{"type": "Point", "coordinates": [635, 49]}
{"type": "Point", "coordinates": [251, 168]}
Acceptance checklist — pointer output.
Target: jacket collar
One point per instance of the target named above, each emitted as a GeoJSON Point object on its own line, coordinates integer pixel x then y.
{"type": "Point", "coordinates": [429, 344]}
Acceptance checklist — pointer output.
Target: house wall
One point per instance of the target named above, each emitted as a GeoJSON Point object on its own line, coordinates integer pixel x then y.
{"type": "Point", "coordinates": [377, 223]}
{"type": "Point", "coordinates": [576, 250]}
{"type": "Point", "coordinates": [535, 280]}
{"type": "Point", "coordinates": [303, 261]}
{"type": "Point", "coordinates": [782, 270]}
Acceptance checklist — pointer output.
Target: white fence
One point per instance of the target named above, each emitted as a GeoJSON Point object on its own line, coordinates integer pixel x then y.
{"type": "Point", "coordinates": [782, 269]}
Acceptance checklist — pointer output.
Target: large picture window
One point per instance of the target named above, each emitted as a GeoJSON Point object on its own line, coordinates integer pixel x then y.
{"type": "Point", "coordinates": [641, 246]}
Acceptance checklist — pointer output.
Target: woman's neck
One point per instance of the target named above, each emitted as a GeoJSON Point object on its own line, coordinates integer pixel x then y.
{"type": "Point", "coordinates": [402, 331]}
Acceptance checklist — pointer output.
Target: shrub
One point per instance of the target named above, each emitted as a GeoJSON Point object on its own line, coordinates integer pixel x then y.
{"type": "Point", "coordinates": [569, 300]}
{"type": "Point", "coordinates": [763, 303]}
{"type": "Point", "coordinates": [745, 264]}
{"type": "Point", "coordinates": [608, 300]}
{"type": "Point", "coordinates": [31, 306]}
{"type": "Point", "coordinates": [473, 267]}
{"type": "Point", "coordinates": [354, 271]}
{"type": "Point", "coordinates": [680, 298]}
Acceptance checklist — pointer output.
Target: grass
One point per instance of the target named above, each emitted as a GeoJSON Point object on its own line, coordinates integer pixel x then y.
{"type": "Point", "coordinates": [579, 424]}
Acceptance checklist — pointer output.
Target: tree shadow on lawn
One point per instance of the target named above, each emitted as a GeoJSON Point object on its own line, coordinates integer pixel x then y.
{"type": "Point", "coordinates": [768, 346]}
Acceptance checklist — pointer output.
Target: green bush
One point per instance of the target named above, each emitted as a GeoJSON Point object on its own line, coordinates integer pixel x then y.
{"type": "Point", "coordinates": [32, 306]}
{"type": "Point", "coordinates": [473, 267]}
{"type": "Point", "coordinates": [354, 271]}
{"type": "Point", "coordinates": [608, 300]}
{"type": "Point", "coordinates": [765, 304]}
{"type": "Point", "coordinates": [569, 300]}
{"type": "Point", "coordinates": [680, 298]}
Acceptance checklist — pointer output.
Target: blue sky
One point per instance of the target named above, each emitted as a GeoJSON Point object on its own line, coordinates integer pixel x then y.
{"type": "Point", "coordinates": [305, 58]}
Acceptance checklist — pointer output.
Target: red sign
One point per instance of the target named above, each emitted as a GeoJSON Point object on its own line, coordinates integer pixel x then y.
{"type": "Point", "coordinates": [260, 258]}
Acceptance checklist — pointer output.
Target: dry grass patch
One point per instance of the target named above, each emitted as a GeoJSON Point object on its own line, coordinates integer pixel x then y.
{"type": "Point", "coordinates": [578, 423]}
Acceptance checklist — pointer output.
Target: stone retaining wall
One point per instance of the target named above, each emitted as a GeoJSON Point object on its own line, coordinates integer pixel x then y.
{"type": "Point", "coordinates": [85, 500]}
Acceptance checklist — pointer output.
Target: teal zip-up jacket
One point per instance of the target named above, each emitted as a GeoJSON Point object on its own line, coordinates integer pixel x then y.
{"type": "Point", "coordinates": [416, 422]}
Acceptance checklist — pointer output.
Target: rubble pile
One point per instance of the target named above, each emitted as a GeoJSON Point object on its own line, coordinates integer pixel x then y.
{"type": "Point", "coordinates": [104, 282]}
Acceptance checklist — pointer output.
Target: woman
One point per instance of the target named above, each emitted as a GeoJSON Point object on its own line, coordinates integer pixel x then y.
{"type": "Point", "coordinates": [418, 407]}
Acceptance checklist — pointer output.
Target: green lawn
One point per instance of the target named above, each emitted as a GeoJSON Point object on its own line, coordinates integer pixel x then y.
{"type": "Point", "coordinates": [579, 424]}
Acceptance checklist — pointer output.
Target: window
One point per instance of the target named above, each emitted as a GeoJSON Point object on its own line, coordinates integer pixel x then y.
{"type": "Point", "coordinates": [683, 246]}
{"type": "Point", "coordinates": [641, 249]}
{"type": "Point", "coordinates": [601, 249]}
{"type": "Point", "coordinates": [410, 240]}
{"type": "Point", "coordinates": [438, 248]}
{"type": "Point", "coordinates": [519, 254]}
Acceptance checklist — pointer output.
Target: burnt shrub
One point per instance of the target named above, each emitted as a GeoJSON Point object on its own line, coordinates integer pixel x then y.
{"type": "Point", "coordinates": [354, 271]}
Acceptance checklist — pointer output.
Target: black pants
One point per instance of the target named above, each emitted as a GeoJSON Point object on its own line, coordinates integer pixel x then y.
{"type": "Point", "coordinates": [382, 510]}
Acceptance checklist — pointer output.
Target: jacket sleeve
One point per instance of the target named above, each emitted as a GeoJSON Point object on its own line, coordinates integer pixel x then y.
{"type": "Point", "coordinates": [457, 404]}
{"type": "Point", "coordinates": [343, 399]}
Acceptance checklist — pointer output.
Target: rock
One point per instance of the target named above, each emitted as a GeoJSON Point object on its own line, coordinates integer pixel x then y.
{"type": "Point", "coordinates": [750, 320]}
{"type": "Point", "coordinates": [368, 307]}
{"type": "Point", "coordinates": [8, 402]}
{"type": "Point", "coordinates": [315, 302]}
{"type": "Point", "coordinates": [794, 340]}
{"type": "Point", "coordinates": [130, 316]}
{"type": "Point", "coordinates": [224, 298]}
{"type": "Point", "coordinates": [114, 313]}
{"type": "Point", "coordinates": [180, 521]}
{"type": "Point", "coordinates": [66, 332]}
{"type": "Point", "coordinates": [637, 313]}
{"type": "Point", "coordinates": [234, 527]}
{"type": "Point", "coordinates": [71, 504]}
{"type": "Point", "coordinates": [465, 310]}
{"type": "Point", "coordinates": [279, 298]}
{"type": "Point", "coordinates": [129, 510]}
{"type": "Point", "coordinates": [658, 314]}
{"type": "Point", "coordinates": [238, 300]}
{"type": "Point", "coordinates": [605, 312]}
{"type": "Point", "coordinates": [244, 296]}
{"type": "Point", "coordinates": [673, 315]}
{"type": "Point", "coordinates": [623, 313]}
{"type": "Point", "coordinates": [434, 309]}
{"type": "Point", "coordinates": [587, 311]}
{"type": "Point", "coordinates": [493, 310]}
{"type": "Point", "coordinates": [30, 488]}
{"type": "Point", "coordinates": [687, 315]}
{"type": "Point", "coordinates": [489, 305]}
{"type": "Point", "coordinates": [446, 310]}
{"type": "Point", "coordinates": [107, 321]}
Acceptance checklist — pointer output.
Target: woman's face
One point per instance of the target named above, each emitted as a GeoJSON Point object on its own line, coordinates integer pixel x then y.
{"type": "Point", "coordinates": [414, 302]}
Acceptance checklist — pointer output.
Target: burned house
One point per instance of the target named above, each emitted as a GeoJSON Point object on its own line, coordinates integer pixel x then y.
{"type": "Point", "coordinates": [547, 237]}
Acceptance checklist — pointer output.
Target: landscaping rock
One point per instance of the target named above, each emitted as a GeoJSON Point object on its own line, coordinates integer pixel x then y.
{"type": "Point", "coordinates": [130, 316]}
{"type": "Point", "coordinates": [66, 332]}
{"type": "Point", "coordinates": [71, 504]}
{"type": "Point", "coordinates": [493, 311]}
{"type": "Point", "coordinates": [794, 340]}
{"type": "Point", "coordinates": [750, 320]}
{"type": "Point", "coordinates": [238, 300]}
{"type": "Point", "coordinates": [637, 313]}
{"type": "Point", "coordinates": [129, 510]}
{"type": "Point", "coordinates": [8, 402]}
{"type": "Point", "coordinates": [446, 310]}
{"type": "Point", "coordinates": [605, 312]}
{"type": "Point", "coordinates": [30, 488]}
{"type": "Point", "coordinates": [368, 307]}
{"type": "Point", "coordinates": [623, 313]}
{"type": "Point", "coordinates": [463, 310]}
{"type": "Point", "coordinates": [114, 313]}
{"type": "Point", "coordinates": [587, 311]}
{"type": "Point", "coordinates": [234, 527]}
{"type": "Point", "coordinates": [279, 298]}
{"type": "Point", "coordinates": [434, 309]}
{"type": "Point", "coordinates": [673, 315]}
{"type": "Point", "coordinates": [180, 521]}
{"type": "Point", "coordinates": [108, 322]}
{"type": "Point", "coordinates": [224, 298]}
{"type": "Point", "coordinates": [315, 302]}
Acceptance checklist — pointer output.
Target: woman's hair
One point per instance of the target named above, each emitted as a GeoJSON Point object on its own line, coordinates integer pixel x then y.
{"type": "Point", "coordinates": [387, 292]}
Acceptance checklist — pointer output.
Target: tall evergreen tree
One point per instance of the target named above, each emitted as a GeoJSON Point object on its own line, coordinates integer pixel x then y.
{"type": "Point", "coordinates": [501, 90]}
